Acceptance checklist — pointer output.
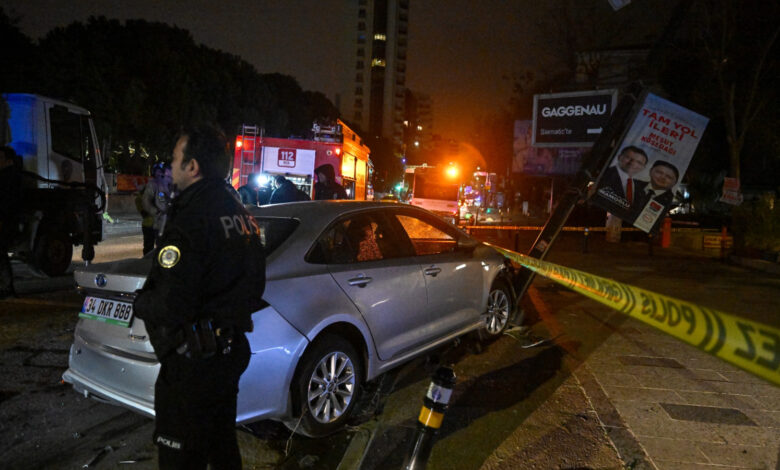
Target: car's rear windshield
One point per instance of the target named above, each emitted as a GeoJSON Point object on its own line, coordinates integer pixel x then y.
{"type": "Point", "coordinates": [274, 231]}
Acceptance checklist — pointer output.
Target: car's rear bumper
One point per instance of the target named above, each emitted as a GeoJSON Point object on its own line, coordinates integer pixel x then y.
{"type": "Point", "coordinates": [123, 380]}
{"type": "Point", "coordinates": [128, 380]}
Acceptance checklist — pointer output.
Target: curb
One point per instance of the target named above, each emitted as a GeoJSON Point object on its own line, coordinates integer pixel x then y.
{"type": "Point", "coordinates": [757, 264]}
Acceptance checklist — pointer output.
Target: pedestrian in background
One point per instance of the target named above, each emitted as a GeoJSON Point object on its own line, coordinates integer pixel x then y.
{"type": "Point", "coordinates": [286, 192]}
{"type": "Point", "coordinates": [10, 200]}
{"type": "Point", "coordinates": [207, 279]}
{"type": "Point", "coordinates": [249, 191]}
{"type": "Point", "coordinates": [326, 186]}
{"type": "Point", "coordinates": [155, 199]}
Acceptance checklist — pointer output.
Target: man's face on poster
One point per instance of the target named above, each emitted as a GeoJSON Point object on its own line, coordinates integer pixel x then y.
{"type": "Point", "coordinates": [662, 177]}
{"type": "Point", "coordinates": [631, 162]}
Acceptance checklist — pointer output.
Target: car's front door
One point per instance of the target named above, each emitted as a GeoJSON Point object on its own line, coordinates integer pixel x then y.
{"type": "Point", "coordinates": [387, 287]}
{"type": "Point", "coordinates": [454, 278]}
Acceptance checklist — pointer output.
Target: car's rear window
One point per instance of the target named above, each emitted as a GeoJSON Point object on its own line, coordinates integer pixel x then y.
{"type": "Point", "coordinates": [274, 231]}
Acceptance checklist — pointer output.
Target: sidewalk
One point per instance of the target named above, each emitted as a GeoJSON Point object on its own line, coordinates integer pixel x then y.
{"type": "Point", "coordinates": [609, 391]}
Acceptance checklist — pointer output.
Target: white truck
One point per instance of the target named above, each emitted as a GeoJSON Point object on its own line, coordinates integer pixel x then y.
{"type": "Point", "coordinates": [63, 184]}
{"type": "Point", "coordinates": [434, 189]}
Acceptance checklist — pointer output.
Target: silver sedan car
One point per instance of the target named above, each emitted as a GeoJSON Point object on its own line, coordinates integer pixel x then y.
{"type": "Point", "coordinates": [353, 290]}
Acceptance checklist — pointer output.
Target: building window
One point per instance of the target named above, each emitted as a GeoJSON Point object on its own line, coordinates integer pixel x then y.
{"type": "Point", "coordinates": [362, 13]}
{"type": "Point", "coordinates": [359, 77]}
{"type": "Point", "coordinates": [358, 102]}
{"type": "Point", "coordinates": [359, 65]}
{"type": "Point", "coordinates": [359, 91]}
{"type": "Point", "coordinates": [380, 37]}
{"type": "Point", "coordinates": [358, 115]}
{"type": "Point", "coordinates": [361, 39]}
{"type": "Point", "coordinates": [378, 63]}
{"type": "Point", "coordinates": [361, 26]}
{"type": "Point", "coordinates": [361, 52]}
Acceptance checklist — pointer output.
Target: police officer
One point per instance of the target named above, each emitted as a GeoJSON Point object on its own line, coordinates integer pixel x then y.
{"type": "Point", "coordinates": [207, 279]}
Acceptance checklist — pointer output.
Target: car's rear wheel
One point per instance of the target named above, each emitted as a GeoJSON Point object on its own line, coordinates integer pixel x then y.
{"type": "Point", "coordinates": [327, 386]}
{"type": "Point", "coordinates": [499, 309]}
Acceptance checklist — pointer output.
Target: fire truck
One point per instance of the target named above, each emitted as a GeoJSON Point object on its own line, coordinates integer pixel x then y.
{"type": "Point", "coordinates": [295, 159]}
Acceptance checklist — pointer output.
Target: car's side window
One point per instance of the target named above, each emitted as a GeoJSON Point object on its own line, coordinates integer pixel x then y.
{"type": "Point", "coordinates": [363, 237]}
{"type": "Point", "coordinates": [425, 237]}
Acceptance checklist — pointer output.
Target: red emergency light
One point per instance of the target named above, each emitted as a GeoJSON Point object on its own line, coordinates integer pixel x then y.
{"type": "Point", "coordinates": [245, 143]}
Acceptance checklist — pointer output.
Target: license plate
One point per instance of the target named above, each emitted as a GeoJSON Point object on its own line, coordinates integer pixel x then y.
{"type": "Point", "coordinates": [108, 311]}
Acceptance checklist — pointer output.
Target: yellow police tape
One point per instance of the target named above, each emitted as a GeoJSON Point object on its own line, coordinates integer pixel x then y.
{"type": "Point", "coordinates": [750, 345]}
{"type": "Point", "coordinates": [430, 418]}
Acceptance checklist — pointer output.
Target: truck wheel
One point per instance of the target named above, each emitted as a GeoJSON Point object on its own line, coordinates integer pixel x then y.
{"type": "Point", "coordinates": [53, 252]}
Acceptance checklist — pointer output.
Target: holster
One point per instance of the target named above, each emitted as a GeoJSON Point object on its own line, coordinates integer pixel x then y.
{"type": "Point", "coordinates": [203, 340]}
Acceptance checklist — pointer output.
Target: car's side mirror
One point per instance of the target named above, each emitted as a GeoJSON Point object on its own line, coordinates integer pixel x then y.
{"type": "Point", "coordinates": [467, 245]}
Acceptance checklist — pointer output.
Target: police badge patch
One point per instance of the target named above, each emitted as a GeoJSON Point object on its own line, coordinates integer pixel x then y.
{"type": "Point", "coordinates": [169, 256]}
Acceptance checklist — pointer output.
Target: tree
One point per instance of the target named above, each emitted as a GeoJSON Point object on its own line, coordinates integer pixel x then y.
{"type": "Point", "coordinates": [735, 43]}
{"type": "Point", "coordinates": [17, 55]}
{"type": "Point", "coordinates": [144, 80]}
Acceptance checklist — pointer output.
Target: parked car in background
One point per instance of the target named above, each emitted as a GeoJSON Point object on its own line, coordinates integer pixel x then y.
{"type": "Point", "coordinates": [354, 289]}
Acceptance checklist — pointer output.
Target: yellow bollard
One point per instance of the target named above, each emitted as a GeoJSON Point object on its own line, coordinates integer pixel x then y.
{"type": "Point", "coordinates": [435, 403]}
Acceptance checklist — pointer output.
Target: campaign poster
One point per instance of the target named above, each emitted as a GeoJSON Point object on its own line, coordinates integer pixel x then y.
{"type": "Point", "coordinates": [531, 160]}
{"type": "Point", "coordinates": [640, 184]}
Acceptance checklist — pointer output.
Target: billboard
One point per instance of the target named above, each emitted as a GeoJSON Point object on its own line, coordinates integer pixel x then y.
{"type": "Point", "coordinates": [640, 183]}
{"type": "Point", "coordinates": [571, 119]}
{"type": "Point", "coordinates": [531, 160]}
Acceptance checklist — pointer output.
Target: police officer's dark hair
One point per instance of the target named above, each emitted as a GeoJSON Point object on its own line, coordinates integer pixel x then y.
{"type": "Point", "coordinates": [635, 149]}
{"type": "Point", "coordinates": [209, 146]}
{"type": "Point", "coordinates": [667, 165]}
{"type": "Point", "coordinates": [280, 179]}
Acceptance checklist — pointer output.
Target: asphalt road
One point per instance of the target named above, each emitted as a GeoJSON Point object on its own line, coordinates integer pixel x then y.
{"type": "Point", "coordinates": [561, 404]}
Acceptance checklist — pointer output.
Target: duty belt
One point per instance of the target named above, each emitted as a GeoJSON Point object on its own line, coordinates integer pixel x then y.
{"type": "Point", "coordinates": [202, 339]}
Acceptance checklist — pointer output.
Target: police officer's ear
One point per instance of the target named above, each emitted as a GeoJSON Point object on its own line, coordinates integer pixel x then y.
{"type": "Point", "coordinates": [192, 168]}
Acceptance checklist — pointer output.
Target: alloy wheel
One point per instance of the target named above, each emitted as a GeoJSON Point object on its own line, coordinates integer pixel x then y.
{"type": "Point", "coordinates": [331, 387]}
{"type": "Point", "coordinates": [497, 311]}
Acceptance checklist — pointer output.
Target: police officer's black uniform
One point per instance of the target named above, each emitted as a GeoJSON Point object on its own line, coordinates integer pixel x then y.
{"type": "Point", "coordinates": [208, 278]}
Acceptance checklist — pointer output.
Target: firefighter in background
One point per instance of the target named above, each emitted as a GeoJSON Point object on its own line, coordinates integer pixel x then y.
{"type": "Point", "coordinates": [326, 186]}
{"type": "Point", "coordinates": [207, 279]}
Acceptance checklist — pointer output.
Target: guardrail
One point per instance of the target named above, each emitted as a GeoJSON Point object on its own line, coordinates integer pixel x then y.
{"type": "Point", "coordinates": [749, 345]}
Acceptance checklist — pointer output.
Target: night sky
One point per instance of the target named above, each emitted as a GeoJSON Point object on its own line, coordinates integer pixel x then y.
{"type": "Point", "coordinates": [461, 52]}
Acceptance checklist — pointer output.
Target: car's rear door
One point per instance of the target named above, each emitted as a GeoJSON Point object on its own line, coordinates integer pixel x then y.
{"type": "Point", "coordinates": [386, 284]}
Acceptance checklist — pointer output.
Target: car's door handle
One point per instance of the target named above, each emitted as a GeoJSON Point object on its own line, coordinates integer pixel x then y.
{"type": "Point", "coordinates": [432, 271]}
{"type": "Point", "coordinates": [359, 281]}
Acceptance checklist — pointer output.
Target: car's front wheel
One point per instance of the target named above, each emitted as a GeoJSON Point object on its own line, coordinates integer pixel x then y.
{"type": "Point", "coordinates": [327, 386]}
{"type": "Point", "coordinates": [499, 309]}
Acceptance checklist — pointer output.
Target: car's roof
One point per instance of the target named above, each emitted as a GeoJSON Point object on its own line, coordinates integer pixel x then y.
{"type": "Point", "coordinates": [320, 212]}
